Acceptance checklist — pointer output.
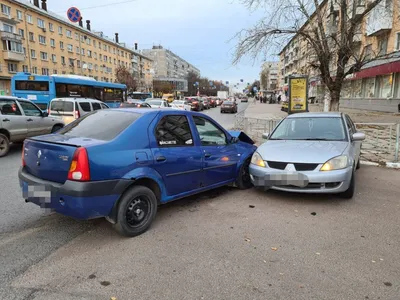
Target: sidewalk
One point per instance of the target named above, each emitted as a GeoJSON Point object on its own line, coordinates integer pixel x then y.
{"type": "Point", "coordinates": [273, 111]}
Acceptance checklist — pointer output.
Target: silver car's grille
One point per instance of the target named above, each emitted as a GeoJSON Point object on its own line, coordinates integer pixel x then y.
{"type": "Point", "coordinates": [299, 166]}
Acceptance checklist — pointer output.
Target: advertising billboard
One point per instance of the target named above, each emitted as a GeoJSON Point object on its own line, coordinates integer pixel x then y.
{"type": "Point", "coordinates": [298, 94]}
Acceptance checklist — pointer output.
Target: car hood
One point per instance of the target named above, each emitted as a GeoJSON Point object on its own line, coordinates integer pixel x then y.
{"type": "Point", "coordinates": [301, 151]}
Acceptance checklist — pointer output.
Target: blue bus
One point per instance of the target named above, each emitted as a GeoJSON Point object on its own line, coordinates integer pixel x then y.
{"type": "Point", "coordinates": [140, 96]}
{"type": "Point", "coordinates": [42, 89]}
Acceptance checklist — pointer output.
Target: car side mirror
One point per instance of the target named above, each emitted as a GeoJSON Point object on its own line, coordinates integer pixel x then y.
{"type": "Point", "coordinates": [358, 136]}
{"type": "Point", "coordinates": [45, 114]}
{"type": "Point", "coordinates": [265, 135]}
{"type": "Point", "coordinates": [234, 140]}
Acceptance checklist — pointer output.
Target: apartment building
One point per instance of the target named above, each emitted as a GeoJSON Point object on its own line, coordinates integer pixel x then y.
{"type": "Point", "coordinates": [169, 67]}
{"type": "Point", "coordinates": [377, 85]}
{"type": "Point", "coordinates": [38, 41]}
{"type": "Point", "coordinates": [269, 76]}
{"type": "Point", "coordinates": [142, 68]}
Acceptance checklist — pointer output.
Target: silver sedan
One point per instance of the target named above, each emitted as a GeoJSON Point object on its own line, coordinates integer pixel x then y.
{"type": "Point", "coordinates": [309, 153]}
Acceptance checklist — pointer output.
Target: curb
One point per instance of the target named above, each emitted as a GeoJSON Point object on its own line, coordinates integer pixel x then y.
{"type": "Point", "coordinates": [390, 165]}
{"type": "Point", "coordinates": [393, 165]}
{"type": "Point", "coordinates": [368, 163]}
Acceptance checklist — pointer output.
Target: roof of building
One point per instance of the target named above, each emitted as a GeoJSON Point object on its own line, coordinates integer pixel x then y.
{"type": "Point", "coordinates": [54, 16]}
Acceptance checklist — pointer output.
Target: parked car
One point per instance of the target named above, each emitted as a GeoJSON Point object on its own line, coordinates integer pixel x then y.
{"type": "Point", "coordinates": [70, 109]}
{"type": "Point", "coordinates": [158, 103]}
{"type": "Point", "coordinates": [229, 106]}
{"type": "Point", "coordinates": [89, 173]}
{"type": "Point", "coordinates": [21, 119]}
{"type": "Point", "coordinates": [135, 104]}
{"type": "Point", "coordinates": [285, 106]}
{"type": "Point", "coordinates": [310, 153]}
{"type": "Point", "coordinates": [181, 104]}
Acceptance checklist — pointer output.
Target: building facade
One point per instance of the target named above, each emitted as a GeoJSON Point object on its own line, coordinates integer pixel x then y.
{"type": "Point", "coordinates": [377, 85]}
{"type": "Point", "coordinates": [142, 69]}
{"type": "Point", "coordinates": [269, 76]}
{"type": "Point", "coordinates": [38, 41]}
{"type": "Point", "coordinates": [169, 67]}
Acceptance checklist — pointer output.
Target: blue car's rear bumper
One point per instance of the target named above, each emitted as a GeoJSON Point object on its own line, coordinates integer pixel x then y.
{"type": "Point", "coordinates": [79, 200]}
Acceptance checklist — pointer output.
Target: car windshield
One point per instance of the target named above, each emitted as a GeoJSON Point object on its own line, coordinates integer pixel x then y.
{"type": "Point", "coordinates": [155, 102]}
{"type": "Point", "coordinates": [59, 105]}
{"type": "Point", "coordinates": [228, 103]}
{"type": "Point", "coordinates": [314, 128]}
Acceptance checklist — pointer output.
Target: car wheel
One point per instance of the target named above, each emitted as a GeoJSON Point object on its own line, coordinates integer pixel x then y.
{"type": "Point", "coordinates": [56, 128]}
{"type": "Point", "coordinates": [243, 181]}
{"type": "Point", "coordinates": [136, 211]}
{"type": "Point", "coordinates": [349, 193]}
{"type": "Point", "coordinates": [4, 145]}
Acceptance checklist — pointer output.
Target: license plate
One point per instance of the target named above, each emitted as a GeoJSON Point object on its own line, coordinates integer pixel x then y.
{"type": "Point", "coordinates": [295, 179]}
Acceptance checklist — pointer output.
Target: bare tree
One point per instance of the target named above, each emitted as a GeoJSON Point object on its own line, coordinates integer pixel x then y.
{"type": "Point", "coordinates": [122, 75]}
{"type": "Point", "coordinates": [329, 34]}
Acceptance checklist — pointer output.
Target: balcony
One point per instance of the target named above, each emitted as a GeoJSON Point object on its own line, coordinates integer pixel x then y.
{"type": "Point", "coordinates": [8, 19]}
{"type": "Point", "coordinates": [13, 56]}
{"type": "Point", "coordinates": [8, 36]}
{"type": "Point", "coordinates": [380, 19]}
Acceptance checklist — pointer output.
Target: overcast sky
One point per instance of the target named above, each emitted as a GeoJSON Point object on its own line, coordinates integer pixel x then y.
{"type": "Point", "coordinates": [197, 30]}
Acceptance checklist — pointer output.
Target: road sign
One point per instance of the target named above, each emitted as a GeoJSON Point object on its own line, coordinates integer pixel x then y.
{"type": "Point", "coordinates": [74, 14]}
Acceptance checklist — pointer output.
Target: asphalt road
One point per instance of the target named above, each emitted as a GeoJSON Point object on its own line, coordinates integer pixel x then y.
{"type": "Point", "coordinates": [211, 246]}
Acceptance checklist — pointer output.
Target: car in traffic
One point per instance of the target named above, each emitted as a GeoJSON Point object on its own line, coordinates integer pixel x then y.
{"type": "Point", "coordinates": [229, 107]}
{"type": "Point", "coordinates": [244, 99]}
{"type": "Point", "coordinates": [70, 109]}
{"type": "Point", "coordinates": [213, 101]}
{"type": "Point", "coordinates": [21, 119]}
{"type": "Point", "coordinates": [205, 102]}
{"type": "Point", "coordinates": [181, 104]}
{"type": "Point", "coordinates": [220, 101]}
{"type": "Point", "coordinates": [195, 104]}
{"type": "Point", "coordinates": [86, 173]}
{"type": "Point", "coordinates": [158, 103]}
{"type": "Point", "coordinates": [285, 106]}
{"type": "Point", "coordinates": [135, 104]}
{"type": "Point", "coordinates": [310, 153]}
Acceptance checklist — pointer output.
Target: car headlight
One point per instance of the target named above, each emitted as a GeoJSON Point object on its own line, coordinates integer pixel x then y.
{"type": "Point", "coordinates": [336, 163]}
{"type": "Point", "coordinates": [257, 160]}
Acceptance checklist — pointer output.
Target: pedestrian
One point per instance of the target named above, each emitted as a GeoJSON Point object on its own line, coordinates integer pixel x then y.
{"type": "Point", "coordinates": [279, 99]}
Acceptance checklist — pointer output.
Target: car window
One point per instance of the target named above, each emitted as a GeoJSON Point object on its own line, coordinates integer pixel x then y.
{"type": "Point", "coordinates": [62, 106]}
{"type": "Point", "coordinates": [96, 106]}
{"type": "Point", "coordinates": [9, 107]}
{"type": "Point", "coordinates": [88, 125]}
{"type": "Point", "coordinates": [210, 134]}
{"type": "Point", "coordinates": [156, 103]}
{"type": "Point", "coordinates": [350, 124]}
{"type": "Point", "coordinates": [85, 106]}
{"type": "Point", "coordinates": [174, 131]}
{"type": "Point", "coordinates": [313, 128]}
{"type": "Point", "coordinates": [103, 106]}
{"type": "Point", "coordinates": [30, 109]}
{"type": "Point", "coordinates": [145, 105]}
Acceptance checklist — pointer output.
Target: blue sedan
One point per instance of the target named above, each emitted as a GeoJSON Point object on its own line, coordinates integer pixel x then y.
{"type": "Point", "coordinates": [122, 163]}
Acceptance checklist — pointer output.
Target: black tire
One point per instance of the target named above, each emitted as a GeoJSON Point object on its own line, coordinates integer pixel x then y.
{"type": "Point", "coordinates": [4, 145]}
{"type": "Point", "coordinates": [141, 200]}
{"type": "Point", "coordinates": [349, 193]}
{"type": "Point", "coordinates": [243, 181]}
{"type": "Point", "coordinates": [56, 128]}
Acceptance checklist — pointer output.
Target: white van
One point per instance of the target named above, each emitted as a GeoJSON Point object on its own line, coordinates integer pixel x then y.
{"type": "Point", "coordinates": [70, 109]}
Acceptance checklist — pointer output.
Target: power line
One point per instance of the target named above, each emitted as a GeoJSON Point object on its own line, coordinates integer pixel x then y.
{"type": "Point", "coordinates": [104, 5]}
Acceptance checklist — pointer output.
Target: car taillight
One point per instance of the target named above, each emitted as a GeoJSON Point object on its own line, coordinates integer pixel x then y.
{"type": "Point", "coordinates": [79, 169]}
{"type": "Point", "coordinates": [23, 155]}
{"type": "Point", "coordinates": [77, 114]}
{"type": "Point", "coordinates": [195, 103]}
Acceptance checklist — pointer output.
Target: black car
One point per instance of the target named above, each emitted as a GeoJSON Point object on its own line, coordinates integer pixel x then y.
{"type": "Point", "coordinates": [229, 106]}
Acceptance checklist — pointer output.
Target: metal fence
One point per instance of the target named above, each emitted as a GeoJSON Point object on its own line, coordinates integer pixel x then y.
{"type": "Point", "coordinates": [381, 145]}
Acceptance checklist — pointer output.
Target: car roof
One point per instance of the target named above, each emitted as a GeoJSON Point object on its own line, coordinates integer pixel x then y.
{"type": "Point", "coordinates": [145, 111]}
{"type": "Point", "coordinates": [11, 98]}
{"type": "Point", "coordinates": [331, 114]}
{"type": "Point", "coordinates": [77, 99]}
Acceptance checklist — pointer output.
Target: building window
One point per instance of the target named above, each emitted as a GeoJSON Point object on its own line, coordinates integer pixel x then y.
{"type": "Point", "coordinates": [21, 32]}
{"type": "Point", "coordinates": [397, 45]}
{"type": "Point", "coordinates": [61, 45]}
{"type": "Point", "coordinates": [77, 50]}
{"type": "Point", "coordinates": [34, 70]}
{"type": "Point", "coordinates": [384, 86]}
{"type": "Point", "coordinates": [8, 28]}
{"type": "Point", "coordinates": [95, 55]}
{"type": "Point", "coordinates": [60, 30]}
{"type": "Point", "coordinates": [99, 45]}
{"type": "Point", "coordinates": [96, 67]}
{"type": "Point", "coordinates": [94, 43]}
{"type": "Point", "coordinates": [76, 36]}
{"type": "Point", "coordinates": [71, 62]}
{"type": "Point", "coordinates": [63, 60]}
{"type": "Point", "coordinates": [29, 19]}
{"type": "Point", "coordinates": [40, 23]}
{"type": "Point", "coordinates": [14, 46]}
{"type": "Point", "coordinates": [382, 45]}
{"type": "Point", "coordinates": [42, 39]}
{"type": "Point", "coordinates": [78, 63]}
{"type": "Point", "coordinates": [33, 53]}
{"type": "Point", "coordinates": [105, 47]}
{"type": "Point", "coordinates": [70, 48]}
{"type": "Point", "coordinates": [89, 53]}
{"type": "Point", "coordinates": [6, 9]}
{"type": "Point", "coordinates": [54, 58]}
{"type": "Point", "coordinates": [83, 51]}
{"type": "Point", "coordinates": [44, 56]}
{"type": "Point", "coordinates": [25, 68]}
{"type": "Point", "coordinates": [12, 67]}
{"type": "Point", "coordinates": [69, 33]}
{"type": "Point", "coordinates": [55, 71]}
{"type": "Point", "coordinates": [45, 71]}
{"type": "Point", "coordinates": [52, 43]}
{"type": "Point", "coordinates": [19, 15]}
{"type": "Point", "coordinates": [88, 40]}
{"type": "Point", "coordinates": [51, 27]}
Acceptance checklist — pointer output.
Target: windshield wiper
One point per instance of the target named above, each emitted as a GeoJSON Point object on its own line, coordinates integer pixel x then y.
{"type": "Point", "coordinates": [316, 139]}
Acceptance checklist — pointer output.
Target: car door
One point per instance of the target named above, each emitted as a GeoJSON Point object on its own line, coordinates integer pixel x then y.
{"type": "Point", "coordinates": [220, 156]}
{"type": "Point", "coordinates": [176, 157]}
{"type": "Point", "coordinates": [356, 145]}
{"type": "Point", "coordinates": [34, 119]}
{"type": "Point", "coordinates": [12, 120]}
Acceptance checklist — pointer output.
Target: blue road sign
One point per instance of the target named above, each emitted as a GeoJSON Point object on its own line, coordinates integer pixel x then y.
{"type": "Point", "coordinates": [74, 14]}
{"type": "Point", "coordinates": [227, 82]}
{"type": "Point", "coordinates": [241, 80]}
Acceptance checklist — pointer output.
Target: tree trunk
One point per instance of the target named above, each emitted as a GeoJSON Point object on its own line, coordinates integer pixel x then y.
{"type": "Point", "coordinates": [335, 101]}
{"type": "Point", "coordinates": [327, 100]}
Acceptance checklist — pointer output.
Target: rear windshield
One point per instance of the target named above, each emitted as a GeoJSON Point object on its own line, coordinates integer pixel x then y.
{"type": "Point", "coordinates": [88, 125]}
{"type": "Point", "coordinates": [228, 103]}
{"type": "Point", "coordinates": [62, 106]}
{"type": "Point", "coordinates": [155, 102]}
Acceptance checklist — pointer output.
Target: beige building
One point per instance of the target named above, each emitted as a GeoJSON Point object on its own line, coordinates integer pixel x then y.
{"type": "Point", "coordinates": [269, 76]}
{"type": "Point", "coordinates": [38, 41]}
{"type": "Point", "coordinates": [142, 68]}
{"type": "Point", "coordinates": [377, 85]}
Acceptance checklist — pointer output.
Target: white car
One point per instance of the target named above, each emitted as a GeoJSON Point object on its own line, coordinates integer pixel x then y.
{"type": "Point", "coordinates": [181, 104]}
{"type": "Point", "coordinates": [158, 103]}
